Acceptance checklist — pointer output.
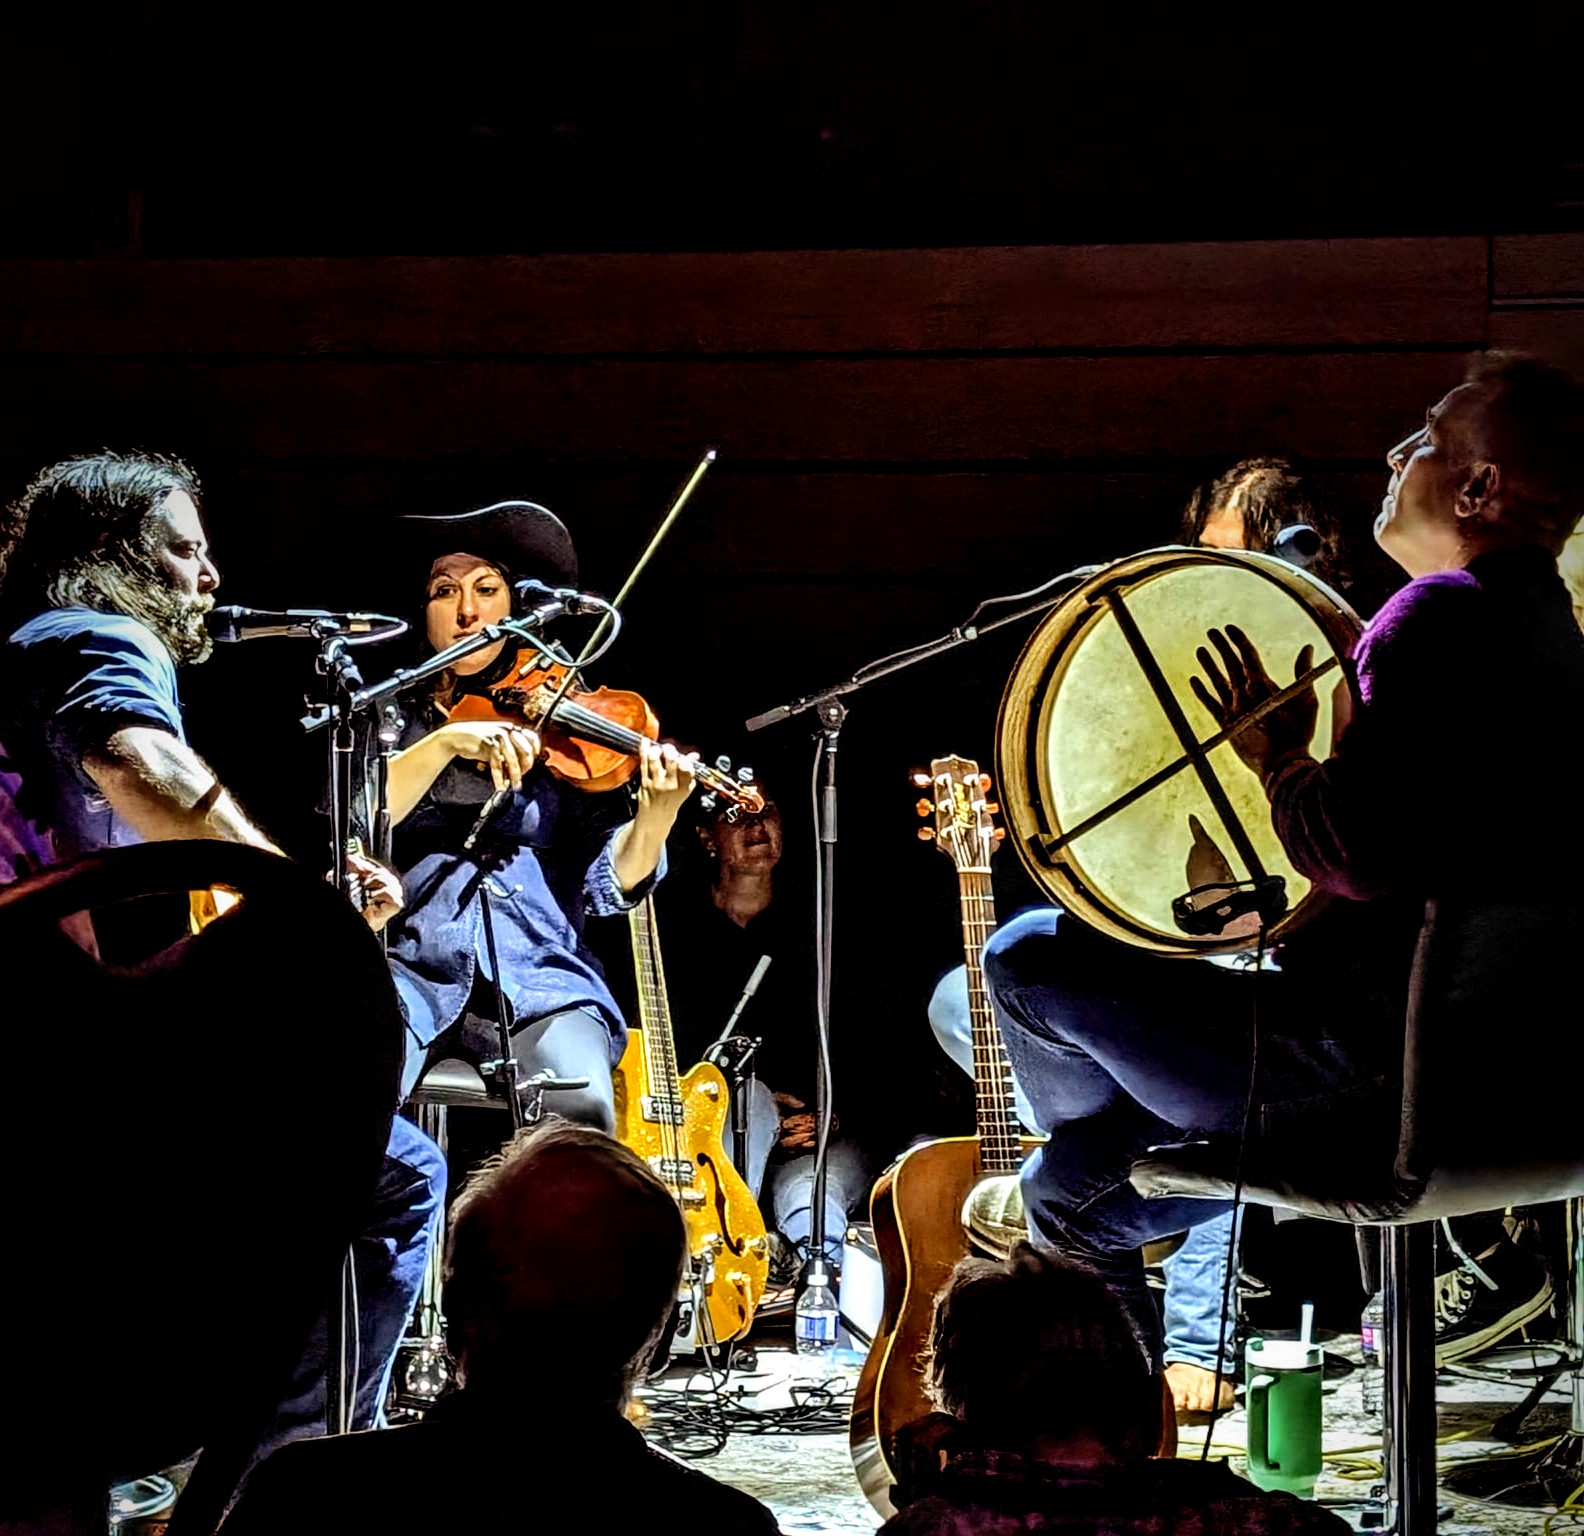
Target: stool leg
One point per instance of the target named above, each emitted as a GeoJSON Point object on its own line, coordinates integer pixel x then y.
{"type": "Point", "coordinates": [1408, 1443]}
{"type": "Point", "coordinates": [430, 1318]}
{"type": "Point", "coordinates": [1543, 1479]}
{"type": "Point", "coordinates": [424, 1370]}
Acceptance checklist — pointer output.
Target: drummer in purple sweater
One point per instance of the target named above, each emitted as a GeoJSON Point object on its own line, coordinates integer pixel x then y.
{"type": "Point", "coordinates": [1449, 776]}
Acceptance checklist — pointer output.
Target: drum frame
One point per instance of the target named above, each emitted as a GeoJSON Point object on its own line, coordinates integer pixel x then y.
{"type": "Point", "coordinates": [1024, 774]}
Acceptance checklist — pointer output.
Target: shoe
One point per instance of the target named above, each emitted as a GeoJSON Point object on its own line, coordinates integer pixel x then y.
{"type": "Point", "coordinates": [1484, 1299]}
{"type": "Point", "coordinates": [786, 1263]}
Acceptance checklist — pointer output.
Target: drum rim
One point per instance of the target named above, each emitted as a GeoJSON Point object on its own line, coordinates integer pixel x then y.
{"type": "Point", "coordinates": [1023, 775]}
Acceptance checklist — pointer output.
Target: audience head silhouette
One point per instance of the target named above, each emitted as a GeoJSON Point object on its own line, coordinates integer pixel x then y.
{"type": "Point", "coordinates": [1034, 1353]}
{"type": "Point", "coordinates": [563, 1264]}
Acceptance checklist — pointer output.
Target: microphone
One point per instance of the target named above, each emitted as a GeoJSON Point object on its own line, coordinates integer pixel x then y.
{"type": "Point", "coordinates": [231, 624]}
{"type": "Point", "coordinates": [1298, 544]}
{"type": "Point", "coordinates": [561, 600]}
{"type": "Point", "coordinates": [742, 1002]}
{"type": "Point", "coordinates": [1227, 900]}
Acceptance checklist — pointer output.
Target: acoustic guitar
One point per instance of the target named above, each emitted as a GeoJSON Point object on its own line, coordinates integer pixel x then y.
{"type": "Point", "coordinates": [674, 1123]}
{"type": "Point", "coordinates": [942, 1199]}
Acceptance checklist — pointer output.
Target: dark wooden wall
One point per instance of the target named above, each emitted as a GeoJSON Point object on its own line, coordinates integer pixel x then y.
{"type": "Point", "coordinates": [902, 432]}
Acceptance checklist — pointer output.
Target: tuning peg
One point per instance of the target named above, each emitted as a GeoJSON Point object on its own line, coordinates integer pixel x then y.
{"type": "Point", "coordinates": [745, 775]}
{"type": "Point", "coordinates": [984, 781]}
{"type": "Point", "coordinates": [1000, 832]}
{"type": "Point", "coordinates": [708, 802]}
{"type": "Point", "coordinates": [926, 834]}
{"type": "Point", "coordinates": [925, 808]}
{"type": "Point", "coordinates": [992, 808]}
{"type": "Point", "coordinates": [919, 779]}
{"type": "Point", "coordinates": [724, 764]}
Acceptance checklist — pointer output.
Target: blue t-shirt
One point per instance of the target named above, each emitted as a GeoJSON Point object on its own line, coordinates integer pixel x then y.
{"type": "Point", "coordinates": [69, 679]}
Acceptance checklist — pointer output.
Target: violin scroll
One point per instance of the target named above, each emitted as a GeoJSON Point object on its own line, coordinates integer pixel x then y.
{"type": "Point", "coordinates": [738, 789]}
{"type": "Point", "coordinates": [591, 737]}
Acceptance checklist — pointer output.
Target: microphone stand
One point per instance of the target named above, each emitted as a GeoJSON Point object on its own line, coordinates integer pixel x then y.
{"type": "Point", "coordinates": [391, 724]}
{"type": "Point", "coordinates": [732, 1053]}
{"type": "Point", "coordinates": [335, 663]}
{"type": "Point", "coordinates": [506, 1068]}
{"type": "Point", "coordinates": [827, 703]}
{"type": "Point", "coordinates": [347, 697]}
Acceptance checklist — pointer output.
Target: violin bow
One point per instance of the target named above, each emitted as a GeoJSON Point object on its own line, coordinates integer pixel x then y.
{"type": "Point", "coordinates": [680, 500]}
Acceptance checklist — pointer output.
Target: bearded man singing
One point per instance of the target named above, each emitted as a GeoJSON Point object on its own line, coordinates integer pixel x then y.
{"type": "Point", "coordinates": [105, 579]}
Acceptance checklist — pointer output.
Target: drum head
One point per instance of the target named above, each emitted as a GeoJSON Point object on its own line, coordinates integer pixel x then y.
{"type": "Point", "coordinates": [1122, 793]}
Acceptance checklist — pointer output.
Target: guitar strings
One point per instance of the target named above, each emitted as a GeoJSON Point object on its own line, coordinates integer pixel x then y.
{"type": "Point", "coordinates": [996, 1104]}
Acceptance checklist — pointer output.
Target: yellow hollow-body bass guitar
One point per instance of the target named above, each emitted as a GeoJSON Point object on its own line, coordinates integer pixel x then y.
{"type": "Point", "coordinates": [674, 1123]}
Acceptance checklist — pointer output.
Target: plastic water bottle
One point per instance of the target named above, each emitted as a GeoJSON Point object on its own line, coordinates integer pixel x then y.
{"type": "Point", "coordinates": [1372, 1341]}
{"type": "Point", "coordinates": [815, 1318]}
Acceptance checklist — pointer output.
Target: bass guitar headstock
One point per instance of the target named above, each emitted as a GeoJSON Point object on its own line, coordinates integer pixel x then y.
{"type": "Point", "coordinates": [961, 816]}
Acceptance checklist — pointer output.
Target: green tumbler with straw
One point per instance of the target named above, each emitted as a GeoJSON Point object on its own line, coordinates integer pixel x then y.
{"type": "Point", "coordinates": [1283, 1394]}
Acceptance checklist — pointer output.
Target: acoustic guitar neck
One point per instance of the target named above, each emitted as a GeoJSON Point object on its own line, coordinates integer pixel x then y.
{"type": "Point", "coordinates": [964, 829]}
{"type": "Point", "coordinates": [995, 1105]}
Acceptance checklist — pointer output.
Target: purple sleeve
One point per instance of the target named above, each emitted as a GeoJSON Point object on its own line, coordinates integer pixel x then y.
{"type": "Point", "coordinates": [1342, 820]}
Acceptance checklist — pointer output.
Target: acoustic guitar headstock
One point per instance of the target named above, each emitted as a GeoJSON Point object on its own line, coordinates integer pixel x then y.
{"type": "Point", "coordinates": [960, 814]}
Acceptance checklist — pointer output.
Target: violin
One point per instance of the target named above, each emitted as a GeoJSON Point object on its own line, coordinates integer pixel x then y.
{"type": "Point", "coordinates": [593, 739]}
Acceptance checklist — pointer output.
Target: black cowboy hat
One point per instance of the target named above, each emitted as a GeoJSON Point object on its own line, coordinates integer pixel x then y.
{"type": "Point", "coordinates": [522, 537]}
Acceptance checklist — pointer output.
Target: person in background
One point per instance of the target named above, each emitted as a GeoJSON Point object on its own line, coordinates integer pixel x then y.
{"type": "Point", "coordinates": [713, 947]}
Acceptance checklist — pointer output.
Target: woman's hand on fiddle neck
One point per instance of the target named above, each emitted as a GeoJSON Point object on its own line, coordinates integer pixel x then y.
{"type": "Point", "coordinates": [665, 780]}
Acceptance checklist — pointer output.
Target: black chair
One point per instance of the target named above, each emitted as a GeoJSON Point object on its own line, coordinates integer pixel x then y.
{"type": "Point", "coordinates": [1467, 1135]}
{"type": "Point", "coordinates": [157, 1092]}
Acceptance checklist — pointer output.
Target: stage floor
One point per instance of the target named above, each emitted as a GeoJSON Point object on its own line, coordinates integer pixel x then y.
{"type": "Point", "coordinates": [807, 1478]}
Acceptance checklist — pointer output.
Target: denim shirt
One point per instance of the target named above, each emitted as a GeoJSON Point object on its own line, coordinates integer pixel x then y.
{"type": "Point", "coordinates": [546, 858]}
{"type": "Point", "coordinates": [69, 679]}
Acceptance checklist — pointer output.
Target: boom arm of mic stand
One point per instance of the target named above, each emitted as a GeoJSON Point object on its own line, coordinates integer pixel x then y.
{"type": "Point", "coordinates": [961, 635]}
{"type": "Point", "coordinates": [832, 715]}
{"type": "Point", "coordinates": [491, 634]}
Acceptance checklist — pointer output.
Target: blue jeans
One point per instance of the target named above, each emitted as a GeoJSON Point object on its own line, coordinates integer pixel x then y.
{"type": "Point", "coordinates": [791, 1203]}
{"type": "Point", "coordinates": [1195, 1271]}
{"type": "Point", "coordinates": [1120, 1050]}
{"type": "Point", "coordinates": [388, 1260]}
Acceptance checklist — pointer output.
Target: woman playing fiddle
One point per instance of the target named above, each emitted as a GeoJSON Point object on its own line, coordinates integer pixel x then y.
{"type": "Point", "coordinates": [548, 855]}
